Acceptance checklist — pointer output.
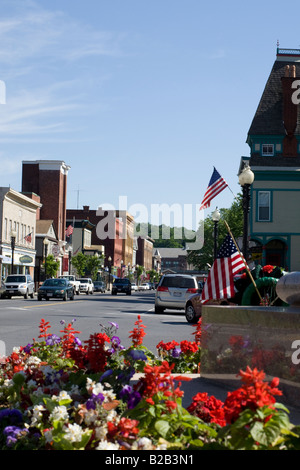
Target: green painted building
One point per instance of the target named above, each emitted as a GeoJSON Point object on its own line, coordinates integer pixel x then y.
{"type": "Point", "coordinates": [274, 141]}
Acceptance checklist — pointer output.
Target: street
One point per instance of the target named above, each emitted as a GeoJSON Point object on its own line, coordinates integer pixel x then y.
{"type": "Point", "coordinates": [20, 318]}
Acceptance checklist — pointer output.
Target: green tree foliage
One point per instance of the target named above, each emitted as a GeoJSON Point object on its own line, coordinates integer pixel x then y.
{"type": "Point", "coordinates": [79, 262]}
{"type": "Point", "coordinates": [234, 218]}
{"type": "Point", "coordinates": [93, 264]}
{"type": "Point", "coordinates": [51, 266]}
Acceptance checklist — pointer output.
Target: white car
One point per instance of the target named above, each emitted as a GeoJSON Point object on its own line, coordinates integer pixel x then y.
{"type": "Point", "coordinates": [174, 290]}
{"type": "Point", "coordinates": [144, 286]}
{"type": "Point", "coordinates": [86, 285]}
{"type": "Point", "coordinates": [134, 286]}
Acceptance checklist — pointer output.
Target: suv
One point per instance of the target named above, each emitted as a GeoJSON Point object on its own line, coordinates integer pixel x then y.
{"type": "Point", "coordinates": [19, 284]}
{"type": "Point", "coordinates": [121, 285]}
{"type": "Point", "coordinates": [99, 286]}
{"type": "Point", "coordinates": [86, 285]}
{"type": "Point", "coordinates": [173, 290]}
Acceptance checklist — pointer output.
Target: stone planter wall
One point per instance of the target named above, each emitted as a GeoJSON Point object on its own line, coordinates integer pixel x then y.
{"type": "Point", "coordinates": [262, 337]}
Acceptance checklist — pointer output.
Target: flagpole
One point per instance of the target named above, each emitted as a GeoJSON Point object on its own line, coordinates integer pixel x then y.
{"type": "Point", "coordinates": [245, 262]}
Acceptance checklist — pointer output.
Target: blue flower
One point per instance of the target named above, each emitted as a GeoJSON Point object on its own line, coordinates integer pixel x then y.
{"type": "Point", "coordinates": [12, 416]}
{"type": "Point", "coordinates": [137, 355]}
{"type": "Point", "coordinates": [129, 395]}
{"type": "Point", "coordinates": [52, 340]}
{"type": "Point", "coordinates": [94, 400]}
{"type": "Point", "coordinates": [12, 434]}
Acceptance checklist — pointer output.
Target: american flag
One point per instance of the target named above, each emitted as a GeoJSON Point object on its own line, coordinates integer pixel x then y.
{"type": "Point", "coordinates": [215, 186]}
{"type": "Point", "coordinates": [69, 231]}
{"type": "Point", "coordinates": [220, 283]}
{"type": "Point", "coordinates": [27, 238]}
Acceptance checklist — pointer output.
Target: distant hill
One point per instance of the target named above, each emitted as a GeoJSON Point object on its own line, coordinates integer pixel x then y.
{"type": "Point", "coordinates": [165, 236]}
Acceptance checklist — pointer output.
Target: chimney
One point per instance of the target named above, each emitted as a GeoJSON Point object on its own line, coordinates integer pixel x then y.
{"type": "Point", "coordinates": [290, 112]}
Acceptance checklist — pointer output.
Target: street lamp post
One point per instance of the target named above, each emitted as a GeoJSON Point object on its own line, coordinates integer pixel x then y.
{"type": "Point", "coordinates": [121, 268]}
{"type": "Point", "coordinates": [46, 243]}
{"type": "Point", "coordinates": [70, 258]}
{"type": "Point", "coordinates": [246, 178]}
{"type": "Point", "coordinates": [109, 271]}
{"type": "Point", "coordinates": [13, 235]}
{"type": "Point", "coordinates": [215, 218]}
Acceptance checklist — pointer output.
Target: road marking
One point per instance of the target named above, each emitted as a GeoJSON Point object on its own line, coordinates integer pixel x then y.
{"type": "Point", "coordinates": [48, 304]}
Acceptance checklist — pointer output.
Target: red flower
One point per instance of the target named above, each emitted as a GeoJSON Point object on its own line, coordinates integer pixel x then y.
{"type": "Point", "coordinates": [188, 347]}
{"type": "Point", "coordinates": [209, 409]}
{"type": "Point", "coordinates": [137, 334]}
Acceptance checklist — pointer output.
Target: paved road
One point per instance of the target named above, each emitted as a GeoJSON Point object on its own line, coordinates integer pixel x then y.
{"type": "Point", "coordinates": [20, 318]}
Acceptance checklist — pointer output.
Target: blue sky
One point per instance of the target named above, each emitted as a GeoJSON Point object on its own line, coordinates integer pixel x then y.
{"type": "Point", "coordinates": [140, 98]}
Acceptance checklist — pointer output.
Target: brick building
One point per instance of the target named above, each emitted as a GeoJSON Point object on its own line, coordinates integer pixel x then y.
{"type": "Point", "coordinates": [48, 180]}
{"type": "Point", "coordinates": [145, 252]}
{"type": "Point", "coordinates": [112, 231]}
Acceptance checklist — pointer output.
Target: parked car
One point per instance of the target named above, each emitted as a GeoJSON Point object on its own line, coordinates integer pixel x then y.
{"type": "Point", "coordinates": [193, 307]}
{"type": "Point", "coordinates": [121, 286]}
{"type": "Point", "coordinates": [134, 286]}
{"type": "Point", "coordinates": [173, 290]}
{"type": "Point", "coordinates": [86, 285]}
{"type": "Point", "coordinates": [144, 286]}
{"type": "Point", "coordinates": [19, 284]}
{"type": "Point", "coordinates": [56, 288]}
{"type": "Point", "coordinates": [99, 286]}
{"type": "Point", "coordinates": [73, 281]}
{"type": "Point", "coordinates": [2, 290]}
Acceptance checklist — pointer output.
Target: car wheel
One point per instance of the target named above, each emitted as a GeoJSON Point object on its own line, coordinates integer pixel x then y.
{"type": "Point", "coordinates": [159, 309]}
{"type": "Point", "coordinates": [39, 297]}
{"type": "Point", "coordinates": [190, 314]}
{"type": "Point", "coordinates": [32, 295]}
{"type": "Point", "coordinates": [87, 292]}
{"type": "Point", "coordinates": [65, 297]}
{"type": "Point", "coordinates": [72, 296]}
{"type": "Point", "coordinates": [26, 295]}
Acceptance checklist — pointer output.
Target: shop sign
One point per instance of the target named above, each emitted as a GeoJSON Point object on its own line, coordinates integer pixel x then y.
{"type": "Point", "coordinates": [25, 259]}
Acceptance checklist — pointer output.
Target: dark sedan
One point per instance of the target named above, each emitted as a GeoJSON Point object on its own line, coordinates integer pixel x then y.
{"type": "Point", "coordinates": [56, 288]}
{"type": "Point", "coordinates": [193, 307]}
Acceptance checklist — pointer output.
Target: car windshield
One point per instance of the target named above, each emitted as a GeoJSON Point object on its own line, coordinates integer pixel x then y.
{"type": "Point", "coordinates": [16, 279]}
{"type": "Point", "coordinates": [121, 281]}
{"type": "Point", "coordinates": [83, 281]}
{"type": "Point", "coordinates": [55, 282]}
{"type": "Point", "coordinates": [177, 281]}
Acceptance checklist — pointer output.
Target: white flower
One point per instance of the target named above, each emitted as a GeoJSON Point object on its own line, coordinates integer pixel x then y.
{"type": "Point", "coordinates": [37, 414]}
{"type": "Point", "coordinates": [73, 433]}
{"type": "Point", "coordinates": [59, 412]}
{"type": "Point", "coordinates": [48, 436]}
{"type": "Point", "coordinates": [90, 417]}
{"type": "Point", "coordinates": [104, 445]}
{"type": "Point", "coordinates": [100, 432]}
{"type": "Point", "coordinates": [63, 395]}
{"type": "Point", "coordinates": [33, 360]}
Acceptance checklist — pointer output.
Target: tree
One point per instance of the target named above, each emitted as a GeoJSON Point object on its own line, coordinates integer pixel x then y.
{"type": "Point", "coordinates": [51, 266]}
{"type": "Point", "coordinates": [79, 262]}
{"type": "Point", "coordinates": [93, 264]}
{"type": "Point", "coordinates": [234, 217]}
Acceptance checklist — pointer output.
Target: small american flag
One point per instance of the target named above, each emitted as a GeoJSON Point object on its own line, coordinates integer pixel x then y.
{"type": "Point", "coordinates": [69, 231]}
{"type": "Point", "coordinates": [215, 186]}
{"type": "Point", "coordinates": [220, 282]}
{"type": "Point", "coordinates": [27, 238]}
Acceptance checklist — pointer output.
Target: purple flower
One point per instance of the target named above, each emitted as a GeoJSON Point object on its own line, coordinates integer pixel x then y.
{"type": "Point", "coordinates": [94, 400]}
{"type": "Point", "coordinates": [77, 341]}
{"type": "Point", "coordinates": [52, 340]}
{"type": "Point", "coordinates": [114, 324]}
{"type": "Point", "coordinates": [12, 416]}
{"type": "Point", "coordinates": [12, 433]}
{"type": "Point", "coordinates": [137, 355]}
{"type": "Point", "coordinates": [129, 395]}
{"type": "Point", "coordinates": [176, 352]}
{"type": "Point", "coordinates": [28, 348]}
{"type": "Point", "coordinates": [106, 374]}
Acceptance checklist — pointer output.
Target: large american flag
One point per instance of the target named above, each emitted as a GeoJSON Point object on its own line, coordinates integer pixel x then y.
{"type": "Point", "coordinates": [215, 186]}
{"type": "Point", "coordinates": [220, 281]}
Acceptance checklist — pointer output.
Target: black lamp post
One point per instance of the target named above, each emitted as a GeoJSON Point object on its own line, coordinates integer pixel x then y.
{"type": "Point", "coordinates": [246, 178]}
{"type": "Point", "coordinates": [109, 271]}
{"type": "Point", "coordinates": [46, 243]}
{"type": "Point", "coordinates": [12, 244]}
{"type": "Point", "coordinates": [70, 249]}
{"type": "Point", "coordinates": [215, 218]}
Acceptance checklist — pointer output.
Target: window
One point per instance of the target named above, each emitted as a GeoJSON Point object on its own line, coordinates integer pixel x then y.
{"type": "Point", "coordinates": [263, 206]}
{"type": "Point", "coordinates": [267, 149]}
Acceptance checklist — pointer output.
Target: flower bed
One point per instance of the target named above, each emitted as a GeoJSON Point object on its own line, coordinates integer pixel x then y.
{"type": "Point", "coordinates": [60, 393]}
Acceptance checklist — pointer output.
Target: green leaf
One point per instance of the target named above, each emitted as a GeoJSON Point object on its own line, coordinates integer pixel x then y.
{"type": "Point", "coordinates": [162, 427]}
